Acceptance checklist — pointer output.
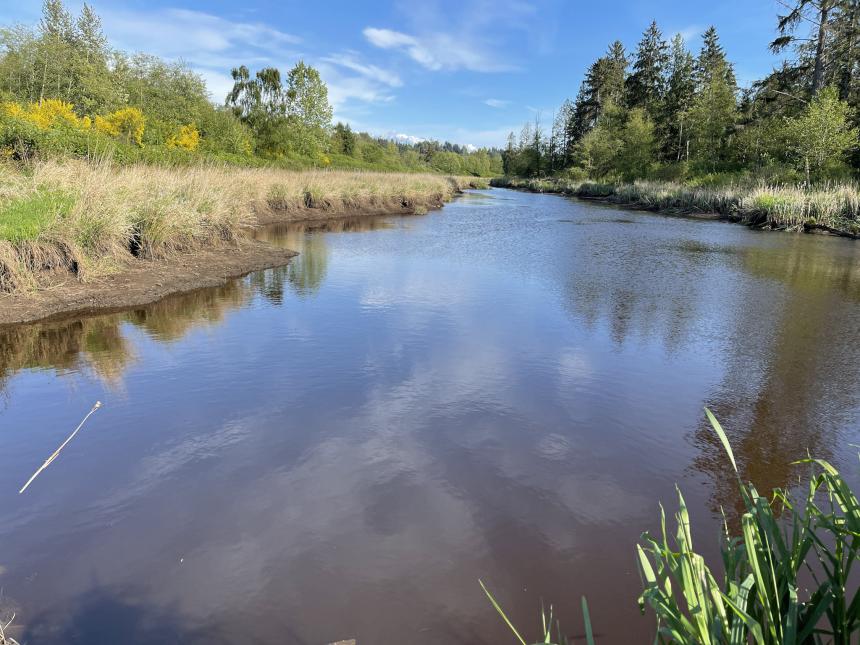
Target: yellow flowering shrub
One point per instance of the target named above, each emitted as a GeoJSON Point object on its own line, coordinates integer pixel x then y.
{"type": "Point", "coordinates": [13, 109]}
{"type": "Point", "coordinates": [105, 126]}
{"type": "Point", "coordinates": [126, 123]}
{"type": "Point", "coordinates": [188, 137]}
{"type": "Point", "coordinates": [47, 114]}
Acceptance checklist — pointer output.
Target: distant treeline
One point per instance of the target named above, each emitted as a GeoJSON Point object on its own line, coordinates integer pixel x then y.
{"type": "Point", "coordinates": [664, 113]}
{"type": "Point", "coordinates": [64, 90]}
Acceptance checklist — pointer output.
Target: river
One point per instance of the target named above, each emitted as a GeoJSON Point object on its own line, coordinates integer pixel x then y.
{"type": "Point", "coordinates": [503, 389]}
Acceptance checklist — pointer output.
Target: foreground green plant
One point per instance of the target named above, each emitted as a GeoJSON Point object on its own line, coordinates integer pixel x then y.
{"type": "Point", "coordinates": [787, 578]}
{"type": "Point", "coordinates": [548, 624]}
{"type": "Point", "coordinates": [759, 598]}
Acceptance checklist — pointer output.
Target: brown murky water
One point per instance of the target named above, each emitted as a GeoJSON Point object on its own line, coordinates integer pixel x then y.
{"type": "Point", "coordinates": [342, 447]}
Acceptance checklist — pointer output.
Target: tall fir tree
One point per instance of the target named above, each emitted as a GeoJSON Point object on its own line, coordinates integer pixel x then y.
{"type": "Point", "coordinates": [681, 87]}
{"type": "Point", "coordinates": [603, 83]}
{"type": "Point", "coordinates": [712, 60]}
{"type": "Point", "coordinates": [646, 86]}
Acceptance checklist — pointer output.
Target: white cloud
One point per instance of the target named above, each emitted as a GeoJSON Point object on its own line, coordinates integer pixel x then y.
{"type": "Point", "coordinates": [371, 72]}
{"type": "Point", "coordinates": [404, 138]}
{"type": "Point", "coordinates": [343, 88]}
{"type": "Point", "coordinates": [690, 32]}
{"type": "Point", "coordinates": [209, 44]}
{"type": "Point", "coordinates": [497, 103]}
{"type": "Point", "coordinates": [437, 51]}
{"type": "Point", "coordinates": [212, 45]}
{"type": "Point", "coordinates": [195, 34]}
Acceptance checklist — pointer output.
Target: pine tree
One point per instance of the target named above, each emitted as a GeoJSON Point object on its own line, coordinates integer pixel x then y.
{"type": "Point", "coordinates": [646, 86]}
{"type": "Point", "coordinates": [818, 14]}
{"type": "Point", "coordinates": [681, 87]}
{"type": "Point", "coordinates": [562, 127]}
{"type": "Point", "coordinates": [603, 83]}
{"type": "Point", "coordinates": [712, 60]}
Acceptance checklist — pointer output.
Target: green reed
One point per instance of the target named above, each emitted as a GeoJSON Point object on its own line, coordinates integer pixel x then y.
{"type": "Point", "coordinates": [786, 577]}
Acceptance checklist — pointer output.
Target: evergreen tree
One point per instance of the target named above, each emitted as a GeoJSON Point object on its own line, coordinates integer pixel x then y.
{"type": "Point", "coordinates": [818, 15]}
{"type": "Point", "coordinates": [562, 128]}
{"type": "Point", "coordinates": [712, 118]}
{"type": "Point", "coordinates": [646, 86]}
{"type": "Point", "coordinates": [712, 61]}
{"type": "Point", "coordinates": [603, 83]}
{"type": "Point", "coordinates": [681, 86]}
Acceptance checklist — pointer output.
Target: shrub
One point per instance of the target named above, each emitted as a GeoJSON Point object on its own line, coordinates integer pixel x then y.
{"type": "Point", "coordinates": [127, 124]}
{"type": "Point", "coordinates": [188, 138]}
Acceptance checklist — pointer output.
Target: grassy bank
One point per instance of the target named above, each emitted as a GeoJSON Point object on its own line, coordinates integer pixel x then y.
{"type": "Point", "coordinates": [834, 208]}
{"type": "Point", "coordinates": [91, 219]}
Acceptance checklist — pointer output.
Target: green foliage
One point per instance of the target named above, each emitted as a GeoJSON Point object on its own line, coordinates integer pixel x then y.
{"type": "Point", "coordinates": [800, 123]}
{"type": "Point", "coordinates": [646, 86]}
{"type": "Point", "coordinates": [637, 146]}
{"type": "Point", "coordinates": [548, 623]}
{"type": "Point", "coordinates": [447, 162]}
{"type": "Point", "coordinates": [72, 95]}
{"type": "Point", "coordinates": [712, 117]}
{"type": "Point", "coordinates": [343, 140]}
{"type": "Point", "coordinates": [822, 135]}
{"type": "Point", "coordinates": [760, 596]}
{"type": "Point", "coordinates": [25, 218]}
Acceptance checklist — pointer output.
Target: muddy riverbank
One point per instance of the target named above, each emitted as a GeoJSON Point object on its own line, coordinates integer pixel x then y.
{"type": "Point", "coordinates": [143, 281]}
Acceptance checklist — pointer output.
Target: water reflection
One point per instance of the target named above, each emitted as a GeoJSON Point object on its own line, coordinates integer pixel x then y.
{"type": "Point", "coordinates": [789, 381]}
{"type": "Point", "coordinates": [487, 391]}
{"type": "Point", "coordinates": [98, 345]}
{"type": "Point", "coordinates": [306, 272]}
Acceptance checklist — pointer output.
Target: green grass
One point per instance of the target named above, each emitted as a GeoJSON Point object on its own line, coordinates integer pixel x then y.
{"type": "Point", "coordinates": [25, 218]}
{"type": "Point", "coordinates": [787, 575]}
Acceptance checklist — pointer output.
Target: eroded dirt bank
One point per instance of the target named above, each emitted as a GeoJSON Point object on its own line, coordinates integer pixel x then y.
{"type": "Point", "coordinates": [143, 282]}
{"type": "Point", "coordinates": [146, 281]}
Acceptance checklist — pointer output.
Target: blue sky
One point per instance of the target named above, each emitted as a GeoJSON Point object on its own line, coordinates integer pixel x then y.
{"type": "Point", "coordinates": [468, 71]}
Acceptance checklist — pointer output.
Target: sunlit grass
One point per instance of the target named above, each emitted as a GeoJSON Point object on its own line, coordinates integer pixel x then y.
{"type": "Point", "coordinates": [27, 217]}
{"type": "Point", "coordinates": [835, 207]}
{"type": "Point", "coordinates": [93, 217]}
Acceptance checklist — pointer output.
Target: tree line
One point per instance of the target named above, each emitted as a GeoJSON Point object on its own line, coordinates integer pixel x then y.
{"type": "Point", "coordinates": [666, 113]}
{"type": "Point", "coordinates": [63, 88]}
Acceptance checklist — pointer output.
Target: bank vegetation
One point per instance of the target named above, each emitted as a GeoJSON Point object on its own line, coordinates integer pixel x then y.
{"type": "Point", "coordinates": [829, 207]}
{"type": "Point", "coordinates": [91, 219]}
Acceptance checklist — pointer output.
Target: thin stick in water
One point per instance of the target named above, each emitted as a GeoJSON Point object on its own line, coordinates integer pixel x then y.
{"type": "Point", "coordinates": [57, 451]}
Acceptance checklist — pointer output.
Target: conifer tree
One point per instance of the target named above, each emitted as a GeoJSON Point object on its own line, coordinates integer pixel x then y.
{"type": "Point", "coordinates": [681, 87]}
{"type": "Point", "coordinates": [603, 83]}
{"type": "Point", "coordinates": [646, 86]}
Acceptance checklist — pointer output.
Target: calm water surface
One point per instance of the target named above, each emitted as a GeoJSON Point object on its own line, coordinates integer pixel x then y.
{"type": "Point", "coordinates": [339, 449]}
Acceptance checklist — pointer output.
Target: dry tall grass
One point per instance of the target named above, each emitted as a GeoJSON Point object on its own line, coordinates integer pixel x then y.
{"type": "Point", "coordinates": [117, 213]}
{"type": "Point", "coordinates": [835, 207]}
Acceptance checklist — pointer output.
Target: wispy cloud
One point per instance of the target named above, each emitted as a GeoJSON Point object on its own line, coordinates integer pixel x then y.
{"type": "Point", "coordinates": [690, 32]}
{"type": "Point", "coordinates": [437, 51]}
{"type": "Point", "coordinates": [209, 44]}
{"type": "Point", "coordinates": [179, 32]}
{"type": "Point", "coordinates": [497, 103]}
{"type": "Point", "coordinates": [212, 45]}
{"type": "Point", "coordinates": [372, 72]}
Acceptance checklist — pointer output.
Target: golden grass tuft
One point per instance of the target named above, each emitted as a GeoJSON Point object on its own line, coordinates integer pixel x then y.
{"type": "Point", "coordinates": [92, 218]}
{"type": "Point", "coordinates": [835, 207]}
